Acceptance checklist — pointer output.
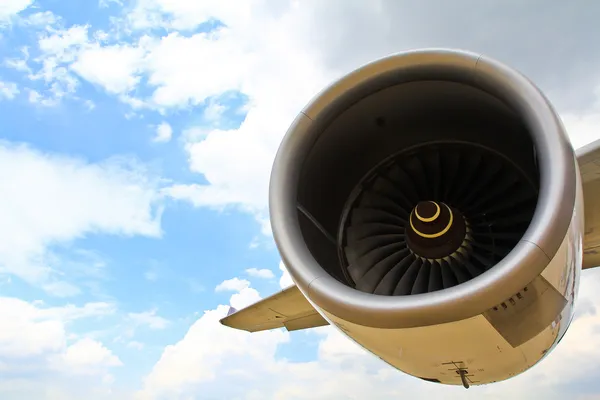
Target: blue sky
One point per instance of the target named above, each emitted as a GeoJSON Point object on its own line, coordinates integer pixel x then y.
{"type": "Point", "coordinates": [135, 149]}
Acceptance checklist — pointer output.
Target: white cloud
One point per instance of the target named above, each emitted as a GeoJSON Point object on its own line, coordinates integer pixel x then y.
{"type": "Point", "coordinates": [148, 319]}
{"type": "Point", "coordinates": [29, 335]}
{"type": "Point", "coordinates": [61, 289]}
{"type": "Point", "coordinates": [233, 284]}
{"type": "Point", "coordinates": [135, 345]}
{"type": "Point", "coordinates": [8, 90]}
{"type": "Point", "coordinates": [236, 364]}
{"type": "Point", "coordinates": [164, 132]}
{"type": "Point", "coordinates": [89, 104]}
{"type": "Point", "coordinates": [40, 19]}
{"type": "Point", "coordinates": [58, 49]}
{"type": "Point", "coordinates": [186, 15]}
{"type": "Point", "coordinates": [260, 273]}
{"type": "Point", "coordinates": [198, 68]}
{"type": "Point", "coordinates": [271, 54]}
{"type": "Point", "coordinates": [61, 387]}
{"type": "Point", "coordinates": [86, 356]}
{"type": "Point", "coordinates": [36, 337]}
{"type": "Point", "coordinates": [18, 64]}
{"type": "Point", "coordinates": [237, 162]}
{"type": "Point", "coordinates": [254, 243]}
{"type": "Point", "coordinates": [107, 3]}
{"type": "Point", "coordinates": [177, 66]}
{"type": "Point", "coordinates": [265, 52]}
{"type": "Point", "coordinates": [62, 45]}
{"type": "Point", "coordinates": [34, 96]}
{"type": "Point", "coordinates": [286, 278]}
{"type": "Point", "coordinates": [10, 8]}
{"type": "Point", "coordinates": [204, 352]}
{"type": "Point", "coordinates": [115, 68]}
{"type": "Point", "coordinates": [134, 321]}
{"type": "Point", "coordinates": [39, 359]}
{"type": "Point", "coordinates": [214, 111]}
{"type": "Point", "coordinates": [50, 200]}
{"type": "Point", "coordinates": [244, 298]}
{"type": "Point", "coordinates": [71, 312]}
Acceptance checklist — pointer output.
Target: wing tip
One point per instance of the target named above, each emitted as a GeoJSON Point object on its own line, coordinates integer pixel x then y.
{"type": "Point", "coordinates": [230, 312]}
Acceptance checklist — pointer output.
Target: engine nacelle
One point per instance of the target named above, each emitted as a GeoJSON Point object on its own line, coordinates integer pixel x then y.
{"type": "Point", "coordinates": [429, 205]}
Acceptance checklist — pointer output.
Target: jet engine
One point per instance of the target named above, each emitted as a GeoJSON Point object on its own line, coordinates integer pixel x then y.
{"type": "Point", "coordinates": [429, 205]}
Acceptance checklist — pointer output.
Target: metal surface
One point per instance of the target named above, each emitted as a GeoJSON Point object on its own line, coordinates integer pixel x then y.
{"type": "Point", "coordinates": [524, 315]}
{"type": "Point", "coordinates": [287, 309]}
{"type": "Point", "coordinates": [588, 158]}
{"type": "Point", "coordinates": [527, 260]}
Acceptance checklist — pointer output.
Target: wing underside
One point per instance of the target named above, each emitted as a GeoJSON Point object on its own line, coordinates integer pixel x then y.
{"type": "Point", "coordinates": [588, 158]}
{"type": "Point", "coordinates": [287, 309]}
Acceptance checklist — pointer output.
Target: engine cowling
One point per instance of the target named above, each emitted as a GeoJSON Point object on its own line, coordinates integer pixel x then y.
{"type": "Point", "coordinates": [427, 193]}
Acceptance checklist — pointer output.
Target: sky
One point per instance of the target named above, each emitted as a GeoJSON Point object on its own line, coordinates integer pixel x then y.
{"type": "Point", "coordinates": [136, 141]}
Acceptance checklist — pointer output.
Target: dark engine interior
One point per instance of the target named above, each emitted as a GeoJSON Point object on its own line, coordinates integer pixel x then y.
{"type": "Point", "coordinates": [439, 148]}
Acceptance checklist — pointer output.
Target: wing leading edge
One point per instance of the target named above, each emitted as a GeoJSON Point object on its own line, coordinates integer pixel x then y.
{"type": "Point", "coordinates": [287, 309]}
{"type": "Point", "coordinates": [588, 158]}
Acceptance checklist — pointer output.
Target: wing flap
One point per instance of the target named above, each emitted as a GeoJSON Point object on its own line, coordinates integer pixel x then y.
{"type": "Point", "coordinates": [588, 158]}
{"type": "Point", "coordinates": [287, 309]}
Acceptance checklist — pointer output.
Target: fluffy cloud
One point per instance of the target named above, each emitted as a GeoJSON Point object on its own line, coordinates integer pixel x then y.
{"type": "Point", "coordinates": [40, 19]}
{"type": "Point", "coordinates": [50, 200]}
{"type": "Point", "coordinates": [272, 54]}
{"type": "Point", "coordinates": [211, 354]}
{"type": "Point", "coordinates": [86, 355]}
{"type": "Point", "coordinates": [10, 8]}
{"type": "Point", "coordinates": [163, 133]}
{"type": "Point", "coordinates": [187, 15]}
{"type": "Point", "coordinates": [280, 55]}
{"type": "Point", "coordinates": [134, 344]}
{"type": "Point", "coordinates": [233, 284]}
{"type": "Point", "coordinates": [58, 49]}
{"type": "Point", "coordinates": [187, 364]}
{"type": "Point", "coordinates": [35, 346]}
{"type": "Point", "coordinates": [133, 322]}
{"type": "Point", "coordinates": [8, 90]}
{"type": "Point", "coordinates": [260, 273]}
{"type": "Point", "coordinates": [114, 68]}
{"type": "Point", "coordinates": [243, 58]}
{"type": "Point", "coordinates": [31, 330]}
{"type": "Point", "coordinates": [244, 298]}
{"type": "Point", "coordinates": [149, 319]}
{"type": "Point", "coordinates": [286, 278]}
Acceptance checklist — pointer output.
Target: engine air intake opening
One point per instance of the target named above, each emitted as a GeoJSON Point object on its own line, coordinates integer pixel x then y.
{"type": "Point", "coordinates": [417, 188]}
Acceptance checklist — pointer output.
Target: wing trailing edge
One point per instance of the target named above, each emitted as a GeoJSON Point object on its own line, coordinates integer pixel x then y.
{"type": "Point", "coordinates": [287, 309]}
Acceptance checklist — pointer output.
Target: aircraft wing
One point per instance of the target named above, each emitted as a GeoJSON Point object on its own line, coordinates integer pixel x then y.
{"type": "Point", "coordinates": [287, 309]}
{"type": "Point", "coordinates": [588, 158]}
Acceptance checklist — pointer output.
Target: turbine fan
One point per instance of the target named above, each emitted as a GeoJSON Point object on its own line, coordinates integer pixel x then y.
{"type": "Point", "coordinates": [489, 197]}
